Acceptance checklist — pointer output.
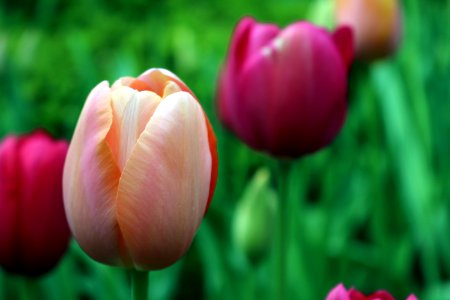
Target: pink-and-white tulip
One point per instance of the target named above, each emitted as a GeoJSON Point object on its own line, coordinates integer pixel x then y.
{"type": "Point", "coordinates": [341, 293]}
{"type": "Point", "coordinates": [284, 91]}
{"type": "Point", "coordinates": [33, 229]}
{"type": "Point", "coordinates": [140, 171]}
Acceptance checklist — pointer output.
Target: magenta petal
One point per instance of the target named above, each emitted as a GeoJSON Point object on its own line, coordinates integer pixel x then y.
{"type": "Point", "coordinates": [9, 203]}
{"type": "Point", "coordinates": [284, 92]}
{"type": "Point", "coordinates": [285, 110]}
{"type": "Point", "coordinates": [43, 218]}
{"type": "Point", "coordinates": [356, 295]}
{"type": "Point", "coordinates": [33, 230]}
{"type": "Point", "coordinates": [344, 40]}
{"type": "Point", "coordinates": [260, 36]}
{"type": "Point", "coordinates": [380, 295]}
{"type": "Point", "coordinates": [249, 38]}
{"type": "Point", "coordinates": [338, 293]}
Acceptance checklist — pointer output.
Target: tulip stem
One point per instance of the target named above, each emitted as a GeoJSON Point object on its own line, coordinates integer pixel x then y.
{"type": "Point", "coordinates": [139, 285]}
{"type": "Point", "coordinates": [283, 169]}
{"type": "Point", "coordinates": [27, 289]}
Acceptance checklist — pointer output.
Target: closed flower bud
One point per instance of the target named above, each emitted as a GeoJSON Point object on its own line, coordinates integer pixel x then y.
{"type": "Point", "coordinates": [254, 217]}
{"type": "Point", "coordinates": [284, 91]}
{"type": "Point", "coordinates": [140, 171]}
{"type": "Point", "coordinates": [340, 293]}
{"type": "Point", "coordinates": [376, 24]}
{"type": "Point", "coordinates": [33, 229]}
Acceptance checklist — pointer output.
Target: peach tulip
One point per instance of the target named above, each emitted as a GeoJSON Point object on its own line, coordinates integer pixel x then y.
{"type": "Point", "coordinates": [376, 23]}
{"type": "Point", "coordinates": [140, 171]}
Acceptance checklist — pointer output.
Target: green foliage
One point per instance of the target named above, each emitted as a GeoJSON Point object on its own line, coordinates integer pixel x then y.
{"type": "Point", "coordinates": [373, 209]}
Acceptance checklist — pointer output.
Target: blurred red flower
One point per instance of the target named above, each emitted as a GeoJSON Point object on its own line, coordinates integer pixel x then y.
{"type": "Point", "coordinates": [34, 233]}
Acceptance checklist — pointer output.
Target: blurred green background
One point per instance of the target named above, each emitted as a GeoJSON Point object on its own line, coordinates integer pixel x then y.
{"type": "Point", "coordinates": [372, 209]}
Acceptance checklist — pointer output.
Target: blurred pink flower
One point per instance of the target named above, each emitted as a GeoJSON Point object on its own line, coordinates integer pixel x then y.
{"type": "Point", "coordinates": [340, 293]}
{"type": "Point", "coordinates": [284, 91]}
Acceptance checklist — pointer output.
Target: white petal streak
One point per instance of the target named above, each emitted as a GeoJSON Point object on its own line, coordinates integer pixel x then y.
{"type": "Point", "coordinates": [164, 187]}
{"type": "Point", "coordinates": [132, 111]}
{"type": "Point", "coordinates": [135, 117]}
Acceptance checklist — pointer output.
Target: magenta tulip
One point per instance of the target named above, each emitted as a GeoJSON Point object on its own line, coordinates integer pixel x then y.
{"type": "Point", "coordinates": [140, 171]}
{"type": "Point", "coordinates": [284, 91]}
{"type": "Point", "coordinates": [33, 229]}
{"type": "Point", "coordinates": [341, 293]}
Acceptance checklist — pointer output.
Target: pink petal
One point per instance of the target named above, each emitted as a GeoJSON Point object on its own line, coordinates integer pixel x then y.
{"type": "Point", "coordinates": [338, 293]}
{"type": "Point", "coordinates": [343, 38]}
{"type": "Point", "coordinates": [381, 295]}
{"type": "Point", "coordinates": [44, 231]}
{"type": "Point", "coordinates": [277, 124]}
{"type": "Point", "coordinates": [356, 295]}
{"type": "Point", "coordinates": [249, 38]}
{"type": "Point", "coordinates": [9, 200]}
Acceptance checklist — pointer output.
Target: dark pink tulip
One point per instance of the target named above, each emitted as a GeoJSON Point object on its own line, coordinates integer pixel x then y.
{"type": "Point", "coordinates": [33, 229]}
{"type": "Point", "coordinates": [341, 293]}
{"type": "Point", "coordinates": [284, 91]}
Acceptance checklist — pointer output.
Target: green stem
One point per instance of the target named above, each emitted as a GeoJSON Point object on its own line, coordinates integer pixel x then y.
{"type": "Point", "coordinates": [139, 285]}
{"type": "Point", "coordinates": [28, 288]}
{"type": "Point", "coordinates": [282, 229]}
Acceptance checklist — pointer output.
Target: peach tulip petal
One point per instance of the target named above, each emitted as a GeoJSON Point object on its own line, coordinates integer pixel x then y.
{"type": "Point", "coordinates": [139, 85]}
{"type": "Point", "coordinates": [90, 180]}
{"type": "Point", "coordinates": [136, 115]}
{"type": "Point", "coordinates": [131, 112]}
{"type": "Point", "coordinates": [164, 187]}
{"type": "Point", "coordinates": [123, 81]}
{"type": "Point", "coordinates": [373, 39]}
{"type": "Point", "coordinates": [157, 79]}
{"type": "Point", "coordinates": [170, 88]}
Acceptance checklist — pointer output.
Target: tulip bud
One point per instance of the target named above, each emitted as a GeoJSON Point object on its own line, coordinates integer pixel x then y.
{"type": "Point", "coordinates": [284, 91]}
{"type": "Point", "coordinates": [33, 229]}
{"type": "Point", "coordinates": [376, 24]}
{"type": "Point", "coordinates": [140, 171]}
{"type": "Point", "coordinates": [254, 216]}
{"type": "Point", "coordinates": [340, 293]}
